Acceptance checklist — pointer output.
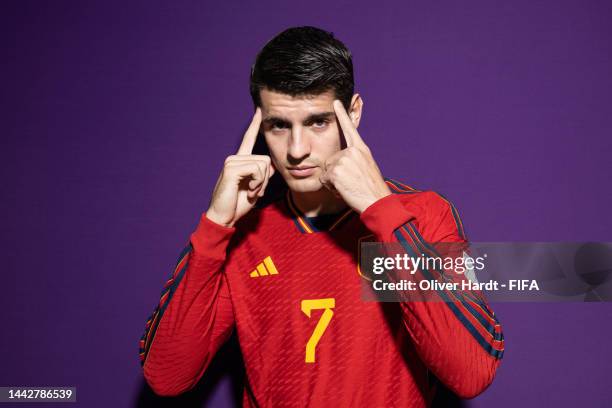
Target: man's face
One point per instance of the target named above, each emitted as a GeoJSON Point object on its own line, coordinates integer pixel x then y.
{"type": "Point", "coordinates": [301, 133]}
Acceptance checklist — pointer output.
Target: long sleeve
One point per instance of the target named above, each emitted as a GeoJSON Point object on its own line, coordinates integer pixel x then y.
{"type": "Point", "coordinates": [194, 316]}
{"type": "Point", "coordinates": [458, 337]}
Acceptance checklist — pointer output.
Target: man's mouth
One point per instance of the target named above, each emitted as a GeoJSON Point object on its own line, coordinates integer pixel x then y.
{"type": "Point", "coordinates": [302, 171]}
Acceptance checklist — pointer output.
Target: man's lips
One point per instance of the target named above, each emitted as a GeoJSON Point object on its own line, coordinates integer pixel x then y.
{"type": "Point", "coordinates": [302, 171]}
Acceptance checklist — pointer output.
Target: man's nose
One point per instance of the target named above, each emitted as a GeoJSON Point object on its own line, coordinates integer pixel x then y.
{"type": "Point", "coordinates": [299, 145]}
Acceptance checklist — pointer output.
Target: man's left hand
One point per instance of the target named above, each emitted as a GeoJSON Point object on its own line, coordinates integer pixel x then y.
{"type": "Point", "coordinates": [352, 173]}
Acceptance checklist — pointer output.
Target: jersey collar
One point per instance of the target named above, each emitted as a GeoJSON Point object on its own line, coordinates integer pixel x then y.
{"type": "Point", "coordinates": [304, 225]}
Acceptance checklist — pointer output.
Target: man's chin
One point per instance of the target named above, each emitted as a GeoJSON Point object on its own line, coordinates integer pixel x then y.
{"type": "Point", "coordinates": [305, 185]}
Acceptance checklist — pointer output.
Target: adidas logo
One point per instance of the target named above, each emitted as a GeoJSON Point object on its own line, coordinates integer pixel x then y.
{"type": "Point", "coordinates": [265, 268]}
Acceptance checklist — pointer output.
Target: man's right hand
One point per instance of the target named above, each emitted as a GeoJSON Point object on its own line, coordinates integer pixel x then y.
{"type": "Point", "coordinates": [242, 181]}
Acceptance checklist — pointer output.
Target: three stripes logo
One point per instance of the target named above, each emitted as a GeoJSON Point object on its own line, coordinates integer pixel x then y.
{"type": "Point", "coordinates": [264, 268]}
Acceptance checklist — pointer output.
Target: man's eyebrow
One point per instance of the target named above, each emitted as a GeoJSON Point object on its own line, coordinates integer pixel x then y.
{"type": "Point", "coordinates": [274, 119]}
{"type": "Point", "coordinates": [310, 119]}
{"type": "Point", "coordinates": [319, 116]}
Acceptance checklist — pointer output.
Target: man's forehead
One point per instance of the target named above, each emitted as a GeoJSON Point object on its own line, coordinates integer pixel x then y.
{"type": "Point", "coordinates": [278, 104]}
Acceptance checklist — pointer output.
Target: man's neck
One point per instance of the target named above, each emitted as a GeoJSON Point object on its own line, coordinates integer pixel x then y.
{"type": "Point", "coordinates": [319, 202]}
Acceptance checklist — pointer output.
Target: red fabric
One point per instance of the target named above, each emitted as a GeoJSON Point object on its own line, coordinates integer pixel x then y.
{"type": "Point", "coordinates": [370, 353]}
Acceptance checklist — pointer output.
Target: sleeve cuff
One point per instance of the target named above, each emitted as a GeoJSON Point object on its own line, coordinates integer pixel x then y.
{"type": "Point", "coordinates": [385, 216]}
{"type": "Point", "coordinates": [210, 238]}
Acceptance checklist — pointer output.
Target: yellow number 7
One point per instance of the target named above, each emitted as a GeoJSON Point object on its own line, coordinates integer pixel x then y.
{"type": "Point", "coordinates": [307, 306]}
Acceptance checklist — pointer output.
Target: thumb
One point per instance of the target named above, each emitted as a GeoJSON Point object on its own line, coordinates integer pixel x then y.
{"type": "Point", "coordinates": [324, 179]}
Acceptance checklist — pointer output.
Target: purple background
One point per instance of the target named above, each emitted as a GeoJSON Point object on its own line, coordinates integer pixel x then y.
{"type": "Point", "coordinates": [116, 118]}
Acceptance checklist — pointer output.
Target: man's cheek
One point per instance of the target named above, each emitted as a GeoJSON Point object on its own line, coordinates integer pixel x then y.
{"type": "Point", "coordinates": [334, 141]}
{"type": "Point", "coordinates": [275, 163]}
{"type": "Point", "coordinates": [274, 153]}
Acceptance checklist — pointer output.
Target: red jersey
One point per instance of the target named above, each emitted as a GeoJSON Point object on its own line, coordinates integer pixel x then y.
{"type": "Point", "coordinates": [293, 293]}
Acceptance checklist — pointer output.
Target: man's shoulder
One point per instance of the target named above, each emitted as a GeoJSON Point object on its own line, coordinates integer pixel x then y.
{"type": "Point", "coordinates": [420, 199]}
{"type": "Point", "coordinates": [431, 209]}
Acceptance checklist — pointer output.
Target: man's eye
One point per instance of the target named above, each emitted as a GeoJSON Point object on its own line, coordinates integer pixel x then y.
{"type": "Point", "coordinates": [320, 123]}
{"type": "Point", "coordinates": [278, 126]}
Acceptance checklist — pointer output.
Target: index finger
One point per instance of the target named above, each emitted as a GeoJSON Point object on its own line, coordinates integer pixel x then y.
{"type": "Point", "coordinates": [250, 136]}
{"type": "Point", "coordinates": [350, 131]}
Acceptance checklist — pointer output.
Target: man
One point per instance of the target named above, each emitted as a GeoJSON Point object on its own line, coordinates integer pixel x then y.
{"type": "Point", "coordinates": [285, 275]}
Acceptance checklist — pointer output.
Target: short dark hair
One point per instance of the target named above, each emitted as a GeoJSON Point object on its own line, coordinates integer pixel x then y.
{"type": "Point", "coordinates": [303, 61]}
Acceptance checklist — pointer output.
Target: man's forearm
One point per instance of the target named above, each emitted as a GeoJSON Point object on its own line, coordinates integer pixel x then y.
{"type": "Point", "coordinates": [194, 316]}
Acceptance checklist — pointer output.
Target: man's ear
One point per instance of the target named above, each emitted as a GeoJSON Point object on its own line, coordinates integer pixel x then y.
{"type": "Point", "coordinates": [356, 109]}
